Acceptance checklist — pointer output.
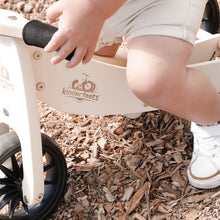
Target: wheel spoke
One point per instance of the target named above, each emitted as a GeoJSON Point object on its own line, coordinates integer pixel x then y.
{"type": "Point", "coordinates": [5, 190]}
{"type": "Point", "coordinates": [48, 166]}
{"type": "Point", "coordinates": [6, 199]}
{"type": "Point", "coordinates": [6, 181]}
{"type": "Point", "coordinates": [15, 166]}
{"type": "Point", "coordinates": [12, 207]}
{"type": "Point", "coordinates": [25, 207]}
{"type": "Point", "coordinates": [7, 172]}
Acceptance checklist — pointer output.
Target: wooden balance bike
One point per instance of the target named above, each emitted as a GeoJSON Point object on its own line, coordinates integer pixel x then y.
{"type": "Point", "coordinates": [33, 171]}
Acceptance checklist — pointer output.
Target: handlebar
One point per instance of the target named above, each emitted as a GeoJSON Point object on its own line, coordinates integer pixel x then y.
{"type": "Point", "coordinates": [38, 34]}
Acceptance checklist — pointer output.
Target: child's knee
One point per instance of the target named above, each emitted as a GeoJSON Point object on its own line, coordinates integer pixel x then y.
{"type": "Point", "coordinates": [155, 87]}
{"type": "Point", "coordinates": [156, 69]}
{"type": "Point", "coordinates": [142, 85]}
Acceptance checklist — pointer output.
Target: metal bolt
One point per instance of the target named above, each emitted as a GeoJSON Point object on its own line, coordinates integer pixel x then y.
{"type": "Point", "coordinates": [37, 55]}
{"type": "Point", "coordinates": [40, 197]}
{"type": "Point", "coordinates": [5, 112]}
{"type": "Point", "coordinates": [40, 86]}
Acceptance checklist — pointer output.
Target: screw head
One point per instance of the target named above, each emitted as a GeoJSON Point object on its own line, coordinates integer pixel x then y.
{"type": "Point", "coordinates": [37, 55]}
{"type": "Point", "coordinates": [40, 197]}
{"type": "Point", "coordinates": [40, 86]}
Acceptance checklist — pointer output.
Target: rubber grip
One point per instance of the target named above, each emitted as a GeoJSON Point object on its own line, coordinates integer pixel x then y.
{"type": "Point", "coordinates": [38, 34]}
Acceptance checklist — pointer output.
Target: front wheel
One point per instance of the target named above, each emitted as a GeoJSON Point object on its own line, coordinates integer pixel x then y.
{"type": "Point", "coordinates": [12, 205]}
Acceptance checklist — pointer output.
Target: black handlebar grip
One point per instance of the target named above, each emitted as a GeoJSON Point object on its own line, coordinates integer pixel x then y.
{"type": "Point", "coordinates": [38, 34]}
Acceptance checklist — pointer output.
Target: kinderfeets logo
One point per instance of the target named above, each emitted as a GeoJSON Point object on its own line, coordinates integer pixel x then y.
{"type": "Point", "coordinates": [5, 79]}
{"type": "Point", "coordinates": [82, 90]}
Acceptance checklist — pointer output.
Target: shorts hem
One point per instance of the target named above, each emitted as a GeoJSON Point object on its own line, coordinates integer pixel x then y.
{"type": "Point", "coordinates": [100, 44]}
{"type": "Point", "coordinates": [164, 30]}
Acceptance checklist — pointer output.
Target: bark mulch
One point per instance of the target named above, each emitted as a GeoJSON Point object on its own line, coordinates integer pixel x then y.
{"type": "Point", "coordinates": [121, 168]}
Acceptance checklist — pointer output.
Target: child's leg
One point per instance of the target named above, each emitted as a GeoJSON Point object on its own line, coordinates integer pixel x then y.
{"type": "Point", "coordinates": [157, 75]}
{"type": "Point", "coordinates": [108, 51]}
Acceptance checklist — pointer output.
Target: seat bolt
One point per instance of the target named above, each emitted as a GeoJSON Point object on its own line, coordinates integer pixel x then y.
{"type": "Point", "coordinates": [40, 197]}
{"type": "Point", "coordinates": [37, 55]}
{"type": "Point", "coordinates": [40, 86]}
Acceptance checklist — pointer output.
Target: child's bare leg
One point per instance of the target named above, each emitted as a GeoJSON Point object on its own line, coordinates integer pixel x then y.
{"type": "Point", "coordinates": [108, 51]}
{"type": "Point", "coordinates": [157, 75]}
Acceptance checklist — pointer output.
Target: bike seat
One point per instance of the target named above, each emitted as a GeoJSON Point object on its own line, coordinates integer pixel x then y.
{"type": "Point", "coordinates": [111, 60]}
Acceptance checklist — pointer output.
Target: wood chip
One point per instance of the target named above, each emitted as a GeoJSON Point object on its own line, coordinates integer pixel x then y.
{"type": "Point", "coordinates": [127, 194]}
{"type": "Point", "coordinates": [135, 200]}
{"type": "Point", "coordinates": [108, 195]}
{"type": "Point", "coordinates": [192, 215]}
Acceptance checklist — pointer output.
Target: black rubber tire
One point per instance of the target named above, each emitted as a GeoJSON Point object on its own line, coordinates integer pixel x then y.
{"type": "Point", "coordinates": [210, 21]}
{"type": "Point", "coordinates": [54, 178]}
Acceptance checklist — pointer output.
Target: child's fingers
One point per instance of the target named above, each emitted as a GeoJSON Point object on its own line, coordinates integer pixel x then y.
{"type": "Point", "coordinates": [57, 40]}
{"type": "Point", "coordinates": [53, 12]}
{"type": "Point", "coordinates": [63, 52]}
{"type": "Point", "coordinates": [89, 55]}
{"type": "Point", "coordinates": [77, 58]}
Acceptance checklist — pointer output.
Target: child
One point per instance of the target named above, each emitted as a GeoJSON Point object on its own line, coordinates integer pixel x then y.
{"type": "Point", "coordinates": [160, 35]}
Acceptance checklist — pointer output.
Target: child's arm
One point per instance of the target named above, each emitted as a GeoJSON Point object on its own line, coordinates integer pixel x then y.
{"type": "Point", "coordinates": [82, 21]}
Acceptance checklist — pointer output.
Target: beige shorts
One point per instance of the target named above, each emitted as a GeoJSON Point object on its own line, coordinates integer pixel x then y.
{"type": "Point", "coordinates": [175, 18]}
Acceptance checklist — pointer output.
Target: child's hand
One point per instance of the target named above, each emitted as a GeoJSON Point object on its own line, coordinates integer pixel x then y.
{"type": "Point", "coordinates": [80, 29]}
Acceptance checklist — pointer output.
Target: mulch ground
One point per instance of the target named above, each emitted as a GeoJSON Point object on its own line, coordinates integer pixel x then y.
{"type": "Point", "coordinates": [121, 168]}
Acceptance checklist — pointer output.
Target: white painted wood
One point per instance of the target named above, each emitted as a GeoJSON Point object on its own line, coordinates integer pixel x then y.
{"type": "Point", "coordinates": [19, 110]}
{"type": "Point", "coordinates": [11, 23]}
